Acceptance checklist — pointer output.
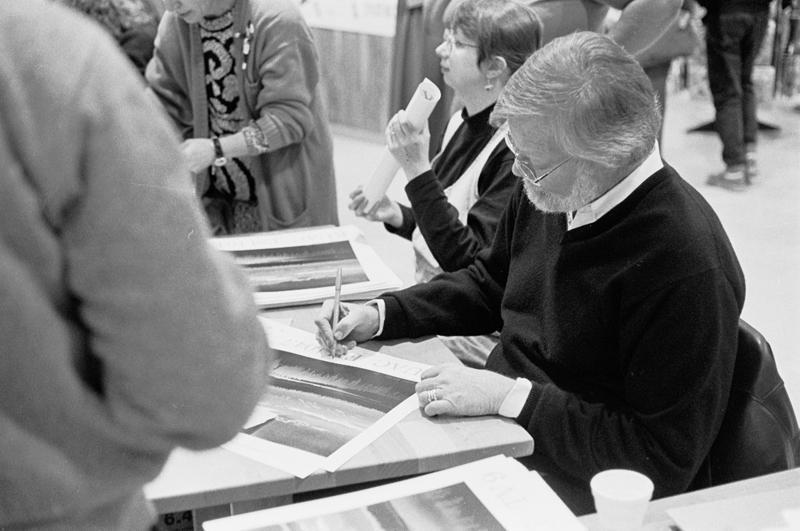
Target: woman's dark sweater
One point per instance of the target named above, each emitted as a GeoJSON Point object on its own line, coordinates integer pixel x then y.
{"type": "Point", "coordinates": [454, 244]}
{"type": "Point", "coordinates": [627, 328]}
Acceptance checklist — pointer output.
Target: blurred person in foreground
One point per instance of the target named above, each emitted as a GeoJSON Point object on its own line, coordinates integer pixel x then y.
{"type": "Point", "coordinates": [457, 197]}
{"type": "Point", "coordinates": [613, 284]}
{"type": "Point", "coordinates": [241, 81]}
{"type": "Point", "coordinates": [124, 334]}
{"type": "Point", "coordinates": [132, 23]}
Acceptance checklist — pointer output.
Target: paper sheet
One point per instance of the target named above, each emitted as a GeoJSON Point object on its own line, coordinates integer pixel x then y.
{"type": "Point", "coordinates": [493, 493]}
{"type": "Point", "coordinates": [753, 512]}
{"type": "Point", "coordinates": [294, 267]}
{"type": "Point", "coordinates": [319, 412]}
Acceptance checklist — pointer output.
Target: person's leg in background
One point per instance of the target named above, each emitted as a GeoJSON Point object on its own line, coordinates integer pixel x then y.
{"type": "Point", "coordinates": [723, 39]}
{"type": "Point", "coordinates": [751, 44]}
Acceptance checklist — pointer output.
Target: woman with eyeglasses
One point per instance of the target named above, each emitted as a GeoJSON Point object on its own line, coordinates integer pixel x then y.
{"type": "Point", "coordinates": [240, 79]}
{"type": "Point", "coordinates": [457, 198]}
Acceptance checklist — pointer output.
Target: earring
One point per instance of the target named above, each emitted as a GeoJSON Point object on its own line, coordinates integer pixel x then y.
{"type": "Point", "coordinates": [489, 85]}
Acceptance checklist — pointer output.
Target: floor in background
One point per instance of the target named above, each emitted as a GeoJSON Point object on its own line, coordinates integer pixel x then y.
{"type": "Point", "coordinates": [763, 221]}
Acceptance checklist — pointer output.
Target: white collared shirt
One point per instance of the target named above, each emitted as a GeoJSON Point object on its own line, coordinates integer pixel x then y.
{"type": "Point", "coordinates": [616, 195]}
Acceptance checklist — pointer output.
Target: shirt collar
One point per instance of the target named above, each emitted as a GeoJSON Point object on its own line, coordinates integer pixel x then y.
{"type": "Point", "coordinates": [616, 195]}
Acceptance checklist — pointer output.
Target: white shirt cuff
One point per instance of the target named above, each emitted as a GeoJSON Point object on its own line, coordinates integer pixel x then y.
{"type": "Point", "coordinates": [379, 305]}
{"type": "Point", "coordinates": [515, 399]}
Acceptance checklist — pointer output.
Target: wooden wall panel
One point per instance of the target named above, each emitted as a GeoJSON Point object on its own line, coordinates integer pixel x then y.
{"type": "Point", "coordinates": [355, 71]}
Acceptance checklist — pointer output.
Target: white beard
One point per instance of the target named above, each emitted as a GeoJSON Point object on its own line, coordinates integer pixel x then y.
{"type": "Point", "coordinates": [583, 192]}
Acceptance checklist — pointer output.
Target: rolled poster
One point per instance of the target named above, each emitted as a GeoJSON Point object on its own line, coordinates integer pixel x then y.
{"type": "Point", "coordinates": [418, 110]}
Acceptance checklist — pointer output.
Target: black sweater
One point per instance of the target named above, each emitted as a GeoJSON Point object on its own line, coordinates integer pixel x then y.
{"type": "Point", "coordinates": [627, 328]}
{"type": "Point", "coordinates": [453, 244]}
{"type": "Point", "coordinates": [734, 6]}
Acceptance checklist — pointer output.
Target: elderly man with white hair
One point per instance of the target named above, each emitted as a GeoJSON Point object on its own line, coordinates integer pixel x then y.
{"type": "Point", "coordinates": [612, 282]}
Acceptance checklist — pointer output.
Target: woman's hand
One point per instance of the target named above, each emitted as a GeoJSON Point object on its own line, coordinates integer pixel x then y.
{"type": "Point", "coordinates": [461, 391]}
{"type": "Point", "coordinates": [385, 210]}
{"type": "Point", "coordinates": [408, 146]}
{"type": "Point", "coordinates": [198, 153]}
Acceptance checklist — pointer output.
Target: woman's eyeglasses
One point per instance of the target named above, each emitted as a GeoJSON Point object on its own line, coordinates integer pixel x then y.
{"type": "Point", "coordinates": [528, 171]}
{"type": "Point", "coordinates": [450, 41]}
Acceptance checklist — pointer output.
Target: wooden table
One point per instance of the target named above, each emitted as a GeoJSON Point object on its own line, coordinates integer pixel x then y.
{"type": "Point", "coordinates": [657, 519]}
{"type": "Point", "coordinates": [218, 483]}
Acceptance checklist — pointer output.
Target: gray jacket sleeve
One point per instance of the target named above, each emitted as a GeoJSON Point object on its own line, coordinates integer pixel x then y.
{"type": "Point", "coordinates": [124, 334]}
{"type": "Point", "coordinates": [172, 321]}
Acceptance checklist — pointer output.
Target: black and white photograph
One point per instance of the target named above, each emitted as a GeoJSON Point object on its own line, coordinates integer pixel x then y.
{"type": "Point", "coordinates": [356, 265]}
{"type": "Point", "coordinates": [321, 405]}
{"type": "Point", "coordinates": [300, 267]}
{"type": "Point", "coordinates": [451, 507]}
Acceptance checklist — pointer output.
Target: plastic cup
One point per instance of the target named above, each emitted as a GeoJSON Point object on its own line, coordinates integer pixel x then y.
{"type": "Point", "coordinates": [620, 498]}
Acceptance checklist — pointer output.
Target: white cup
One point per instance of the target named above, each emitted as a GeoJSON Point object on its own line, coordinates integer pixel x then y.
{"type": "Point", "coordinates": [621, 497]}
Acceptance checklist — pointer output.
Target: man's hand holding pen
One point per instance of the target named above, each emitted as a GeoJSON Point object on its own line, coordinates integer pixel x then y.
{"type": "Point", "coordinates": [357, 323]}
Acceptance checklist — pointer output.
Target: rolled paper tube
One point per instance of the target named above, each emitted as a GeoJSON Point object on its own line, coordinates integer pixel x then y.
{"type": "Point", "coordinates": [418, 110]}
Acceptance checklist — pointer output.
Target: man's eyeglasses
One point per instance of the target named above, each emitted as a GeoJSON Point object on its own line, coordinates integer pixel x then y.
{"type": "Point", "coordinates": [528, 171]}
{"type": "Point", "coordinates": [450, 41]}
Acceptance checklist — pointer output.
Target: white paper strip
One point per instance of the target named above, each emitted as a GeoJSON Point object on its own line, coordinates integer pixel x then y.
{"type": "Point", "coordinates": [291, 460]}
{"type": "Point", "coordinates": [366, 437]}
{"type": "Point", "coordinates": [300, 342]}
{"type": "Point", "coordinates": [259, 416]}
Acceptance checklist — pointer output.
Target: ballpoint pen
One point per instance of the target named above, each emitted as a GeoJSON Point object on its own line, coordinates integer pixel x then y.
{"type": "Point", "coordinates": [337, 295]}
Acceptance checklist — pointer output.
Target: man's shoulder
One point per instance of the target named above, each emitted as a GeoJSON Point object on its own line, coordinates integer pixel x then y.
{"type": "Point", "coordinates": [678, 203]}
{"type": "Point", "coordinates": [674, 226]}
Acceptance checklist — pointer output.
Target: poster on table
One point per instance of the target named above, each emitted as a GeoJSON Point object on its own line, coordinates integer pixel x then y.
{"type": "Point", "coordinates": [318, 411]}
{"type": "Point", "coordinates": [287, 268]}
{"type": "Point", "coordinates": [493, 494]}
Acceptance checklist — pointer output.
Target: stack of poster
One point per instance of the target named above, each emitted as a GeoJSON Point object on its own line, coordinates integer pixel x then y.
{"type": "Point", "coordinates": [293, 267]}
{"type": "Point", "coordinates": [319, 411]}
{"type": "Point", "coordinates": [497, 493]}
